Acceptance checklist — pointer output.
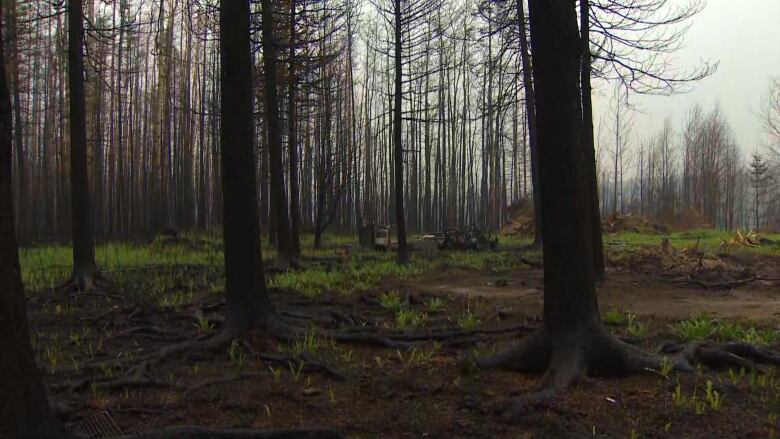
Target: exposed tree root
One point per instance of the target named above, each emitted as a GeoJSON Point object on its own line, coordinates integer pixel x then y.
{"type": "Point", "coordinates": [727, 355]}
{"type": "Point", "coordinates": [309, 365]}
{"type": "Point", "coordinates": [530, 263]}
{"type": "Point", "coordinates": [404, 340]}
{"type": "Point", "coordinates": [217, 342]}
{"type": "Point", "coordinates": [88, 282]}
{"type": "Point", "coordinates": [194, 432]}
{"type": "Point", "coordinates": [719, 285]}
{"type": "Point", "coordinates": [567, 357]}
{"type": "Point", "coordinates": [139, 377]}
{"type": "Point", "coordinates": [370, 339]}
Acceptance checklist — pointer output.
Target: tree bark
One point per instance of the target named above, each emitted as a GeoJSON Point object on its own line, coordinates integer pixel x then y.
{"type": "Point", "coordinates": [24, 410]}
{"type": "Point", "coordinates": [247, 297]}
{"type": "Point", "coordinates": [284, 245]}
{"type": "Point", "coordinates": [403, 252]}
{"type": "Point", "coordinates": [530, 105]}
{"type": "Point", "coordinates": [295, 208]}
{"type": "Point", "coordinates": [587, 139]}
{"type": "Point", "coordinates": [572, 340]}
{"type": "Point", "coordinates": [84, 266]}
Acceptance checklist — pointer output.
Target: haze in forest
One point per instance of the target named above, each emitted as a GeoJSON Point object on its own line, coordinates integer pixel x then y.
{"type": "Point", "coordinates": [744, 37]}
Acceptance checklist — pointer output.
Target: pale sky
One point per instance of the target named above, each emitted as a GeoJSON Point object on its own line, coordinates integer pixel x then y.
{"type": "Point", "coordinates": [744, 36]}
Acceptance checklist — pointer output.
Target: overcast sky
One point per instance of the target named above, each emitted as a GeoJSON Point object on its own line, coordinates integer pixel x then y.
{"type": "Point", "coordinates": [744, 36]}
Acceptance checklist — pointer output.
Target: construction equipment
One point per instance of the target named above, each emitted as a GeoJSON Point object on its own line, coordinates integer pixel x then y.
{"type": "Point", "coordinates": [375, 236]}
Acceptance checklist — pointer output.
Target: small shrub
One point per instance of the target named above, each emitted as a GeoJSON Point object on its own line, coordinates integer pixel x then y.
{"type": "Point", "coordinates": [635, 328]}
{"type": "Point", "coordinates": [391, 301]}
{"type": "Point", "coordinates": [468, 321]}
{"type": "Point", "coordinates": [614, 317]}
{"type": "Point", "coordinates": [410, 319]}
{"type": "Point", "coordinates": [437, 304]}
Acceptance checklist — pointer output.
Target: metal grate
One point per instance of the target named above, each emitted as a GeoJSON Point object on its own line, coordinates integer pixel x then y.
{"type": "Point", "coordinates": [98, 426]}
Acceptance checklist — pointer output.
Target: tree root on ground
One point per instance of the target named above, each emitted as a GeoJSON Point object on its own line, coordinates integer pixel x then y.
{"type": "Point", "coordinates": [83, 283]}
{"type": "Point", "coordinates": [194, 432]}
{"type": "Point", "coordinates": [404, 340]}
{"type": "Point", "coordinates": [303, 360]}
{"type": "Point", "coordinates": [726, 355]}
{"type": "Point", "coordinates": [139, 377]}
{"type": "Point", "coordinates": [568, 357]}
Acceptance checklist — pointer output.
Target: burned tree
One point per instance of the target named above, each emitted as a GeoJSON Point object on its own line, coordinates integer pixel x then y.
{"type": "Point", "coordinates": [247, 298]}
{"type": "Point", "coordinates": [24, 409]}
{"type": "Point", "coordinates": [572, 340]}
{"type": "Point", "coordinates": [530, 112]}
{"type": "Point", "coordinates": [588, 144]}
{"type": "Point", "coordinates": [284, 243]}
{"type": "Point", "coordinates": [84, 266]}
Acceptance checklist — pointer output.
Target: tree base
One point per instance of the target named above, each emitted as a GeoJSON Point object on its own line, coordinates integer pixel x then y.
{"type": "Point", "coordinates": [568, 357]}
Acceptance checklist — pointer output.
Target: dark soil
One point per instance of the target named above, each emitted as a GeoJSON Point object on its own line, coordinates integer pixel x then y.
{"type": "Point", "coordinates": [85, 341]}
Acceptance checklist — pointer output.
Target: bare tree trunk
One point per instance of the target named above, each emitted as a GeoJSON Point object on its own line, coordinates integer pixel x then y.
{"type": "Point", "coordinates": [295, 209]}
{"type": "Point", "coordinates": [84, 266]}
{"type": "Point", "coordinates": [286, 254]}
{"type": "Point", "coordinates": [24, 409]}
{"type": "Point", "coordinates": [588, 143]}
{"type": "Point", "coordinates": [247, 297]}
{"type": "Point", "coordinates": [530, 105]}
{"type": "Point", "coordinates": [400, 219]}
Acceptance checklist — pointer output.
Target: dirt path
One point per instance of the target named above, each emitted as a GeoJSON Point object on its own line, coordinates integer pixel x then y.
{"type": "Point", "coordinates": [640, 294]}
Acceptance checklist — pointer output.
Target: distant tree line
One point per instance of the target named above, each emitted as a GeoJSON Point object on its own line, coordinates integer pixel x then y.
{"type": "Point", "coordinates": [467, 124]}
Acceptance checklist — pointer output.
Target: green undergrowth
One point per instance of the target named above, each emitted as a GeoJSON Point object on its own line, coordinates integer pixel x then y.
{"type": "Point", "coordinates": [710, 241]}
{"type": "Point", "coordinates": [169, 271]}
{"type": "Point", "coordinates": [705, 327]}
{"type": "Point", "coordinates": [364, 271]}
{"type": "Point", "coordinates": [480, 260]}
{"type": "Point", "coordinates": [50, 265]}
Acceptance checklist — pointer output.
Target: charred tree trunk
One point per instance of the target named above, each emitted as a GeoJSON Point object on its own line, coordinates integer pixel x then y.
{"type": "Point", "coordinates": [24, 410]}
{"type": "Point", "coordinates": [295, 208]}
{"type": "Point", "coordinates": [247, 297]}
{"type": "Point", "coordinates": [284, 245]}
{"type": "Point", "coordinates": [403, 252]}
{"type": "Point", "coordinates": [572, 341]}
{"type": "Point", "coordinates": [530, 106]}
{"type": "Point", "coordinates": [84, 266]}
{"type": "Point", "coordinates": [588, 143]}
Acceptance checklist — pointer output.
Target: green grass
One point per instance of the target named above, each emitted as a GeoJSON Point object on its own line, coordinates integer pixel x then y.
{"type": "Point", "coordinates": [614, 317]}
{"type": "Point", "coordinates": [391, 300]}
{"type": "Point", "coordinates": [709, 241]}
{"type": "Point", "coordinates": [468, 321]}
{"type": "Point", "coordinates": [486, 259]}
{"type": "Point", "coordinates": [48, 266]}
{"type": "Point", "coordinates": [364, 271]}
{"type": "Point", "coordinates": [408, 319]}
{"type": "Point", "coordinates": [704, 327]}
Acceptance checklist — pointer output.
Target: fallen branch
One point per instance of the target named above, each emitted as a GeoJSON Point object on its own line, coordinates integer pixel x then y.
{"type": "Point", "coordinates": [309, 365]}
{"type": "Point", "coordinates": [718, 285]}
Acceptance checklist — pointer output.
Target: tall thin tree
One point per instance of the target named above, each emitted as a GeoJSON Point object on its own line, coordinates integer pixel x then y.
{"type": "Point", "coordinates": [24, 409]}
{"type": "Point", "coordinates": [398, 158]}
{"type": "Point", "coordinates": [84, 266]}
{"type": "Point", "coordinates": [285, 250]}
{"type": "Point", "coordinates": [247, 296]}
{"type": "Point", "coordinates": [588, 144]}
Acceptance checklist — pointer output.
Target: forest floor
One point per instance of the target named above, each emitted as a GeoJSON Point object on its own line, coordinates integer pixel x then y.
{"type": "Point", "coordinates": [94, 348]}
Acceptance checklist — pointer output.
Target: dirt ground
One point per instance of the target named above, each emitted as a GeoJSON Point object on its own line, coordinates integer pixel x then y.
{"type": "Point", "coordinates": [92, 341]}
{"type": "Point", "coordinates": [640, 294]}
